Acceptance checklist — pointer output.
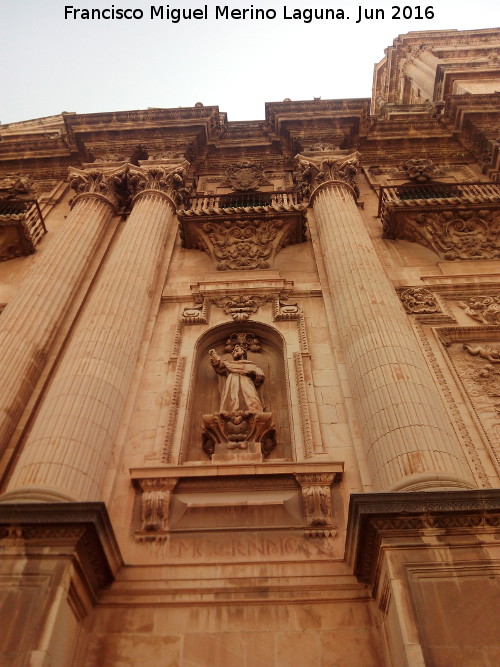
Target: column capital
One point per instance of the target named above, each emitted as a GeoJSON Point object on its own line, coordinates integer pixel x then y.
{"type": "Point", "coordinates": [102, 183]}
{"type": "Point", "coordinates": [327, 167]}
{"type": "Point", "coordinates": [120, 185]}
{"type": "Point", "coordinates": [167, 178]}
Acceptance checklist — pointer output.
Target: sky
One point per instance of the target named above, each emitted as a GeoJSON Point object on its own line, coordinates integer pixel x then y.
{"type": "Point", "coordinates": [52, 64]}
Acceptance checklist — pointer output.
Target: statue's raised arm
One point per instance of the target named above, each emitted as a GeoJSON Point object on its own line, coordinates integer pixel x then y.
{"type": "Point", "coordinates": [214, 357]}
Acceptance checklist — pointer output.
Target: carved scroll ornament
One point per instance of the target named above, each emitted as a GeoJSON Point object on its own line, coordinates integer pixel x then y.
{"type": "Point", "coordinates": [197, 314]}
{"type": "Point", "coordinates": [420, 170]}
{"type": "Point", "coordinates": [14, 186]}
{"type": "Point", "coordinates": [418, 300]}
{"type": "Point", "coordinates": [245, 244]}
{"type": "Point", "coordinates": [283, 310]}
{"type": "Point", "coordinates": [238, 430]}
{"type": "Point", "coordinates": [452, 234]}
{"type": "Point", "coordinates": [248, 341]}
{"type": "Point", "coordinates": [244, 176]}
{"type": "Point", "coordinates": [21, 221]}
{"type": "Point", "coordinates": [240, 306]}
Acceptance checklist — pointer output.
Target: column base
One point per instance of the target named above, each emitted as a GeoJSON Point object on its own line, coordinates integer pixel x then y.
{"type": "Point", "coordinates": [432, 482]}
{"type": "Point", "coordinates": [56, 559]}
{"type": "Point", "coordinates": [35, 494]}
{"type": "Point", "coordinates": [431, 560]}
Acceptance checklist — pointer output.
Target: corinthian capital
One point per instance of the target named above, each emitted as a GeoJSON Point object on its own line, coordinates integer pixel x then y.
{"type": "Point", "coordinates": [169, 179]}
{"type": "Point", "coordinates": [110, 184]}
{"type": "Point", "coordinates": [327, 167]}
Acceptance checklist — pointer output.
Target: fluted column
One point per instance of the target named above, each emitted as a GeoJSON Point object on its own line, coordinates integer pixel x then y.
{"type": "Point", "coordinates": [408, 438]}
{"type": "Point", "coordinates": [32, 319]}
{"type": "Point", "coordinates": [68, 449]}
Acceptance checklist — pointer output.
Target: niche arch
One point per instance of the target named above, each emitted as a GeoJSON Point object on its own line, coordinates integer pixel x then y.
{"type": "Point", "coordinates": [204, 396]}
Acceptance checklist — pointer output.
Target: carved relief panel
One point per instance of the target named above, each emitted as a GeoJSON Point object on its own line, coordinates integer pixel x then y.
{"type": "Point", "coordinates": [475, 355]}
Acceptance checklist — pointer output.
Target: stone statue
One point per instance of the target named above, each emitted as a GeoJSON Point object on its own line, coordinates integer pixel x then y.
{"type": "Point", "coordinates": [243, 377]}
{"type": "Point", "coordinates": [240, 430]}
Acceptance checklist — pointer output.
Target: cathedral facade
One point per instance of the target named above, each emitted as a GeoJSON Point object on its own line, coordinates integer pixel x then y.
{"type": "Point", "coordinates": [250, 377]}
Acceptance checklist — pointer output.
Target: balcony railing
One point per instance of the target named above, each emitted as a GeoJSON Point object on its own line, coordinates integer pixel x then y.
{"type": "Point", "coordinates": [26, 217]}
{"type": "Point", "coordinates": [213, 204]}
{"type": "Point", "coordinates": [435, 194]}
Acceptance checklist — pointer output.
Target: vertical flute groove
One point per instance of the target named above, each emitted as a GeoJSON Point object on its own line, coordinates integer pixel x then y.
{"type": "Point", "coordinates": [69, 447]}
{"type": "Point", "coordinates": [31, 321]}
{"type": "Point", "coordinates": [407, 435]}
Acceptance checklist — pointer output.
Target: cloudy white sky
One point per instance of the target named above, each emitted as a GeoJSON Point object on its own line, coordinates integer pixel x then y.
{"type": "Point", "coordinates": [52, 64]}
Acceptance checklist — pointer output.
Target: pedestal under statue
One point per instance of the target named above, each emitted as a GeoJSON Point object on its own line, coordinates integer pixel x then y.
{"type": "Point", "coordinates": [241, 427]}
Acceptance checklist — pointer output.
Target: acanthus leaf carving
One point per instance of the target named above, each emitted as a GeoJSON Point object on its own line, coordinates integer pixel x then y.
{"type": "Point", "coordinates": [155, 503]}
{"type": "Point", "coordinates": [331, 167]}
{"type": "Point", "coordinates": [317, 502]}
{"type": "Point", "coordinates": [120, 184]}
{"type": "Point", "coordinates": [107, 183]}
{"type": "Point", "coordinates": [168, 179]}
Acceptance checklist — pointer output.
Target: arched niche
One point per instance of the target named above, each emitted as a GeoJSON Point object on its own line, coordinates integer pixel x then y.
{"type": "Point", "coordinates": [204, 395]}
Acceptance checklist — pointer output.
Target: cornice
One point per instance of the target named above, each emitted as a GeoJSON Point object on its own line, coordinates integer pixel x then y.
{"type": "Point", "coordinates": [318, 107]}
{"type": "Point", "coordinates": [406, 517]}
{"type": "Point", "coordinates": [83, 526]}
{"type": "Point", "coordinates": [142, 118]}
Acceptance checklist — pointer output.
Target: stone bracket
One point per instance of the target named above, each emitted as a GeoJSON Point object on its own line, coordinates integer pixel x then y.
{"type": "Point", "coordinates": [242, 497]}
{"type": "Point", "coordinates": [155, 501]}
{"type": "Point", "coordinates": [317, 503]}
